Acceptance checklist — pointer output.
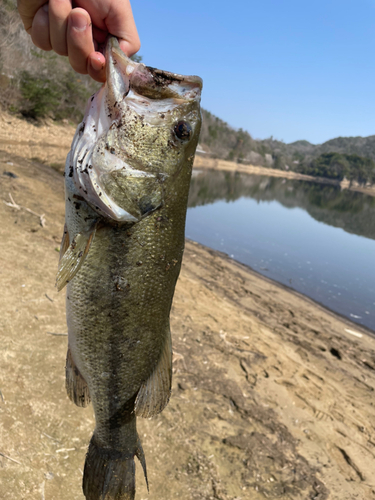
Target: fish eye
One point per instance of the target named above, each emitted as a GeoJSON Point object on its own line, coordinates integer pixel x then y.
{"type": "Point", "coordinates": [183, 130]}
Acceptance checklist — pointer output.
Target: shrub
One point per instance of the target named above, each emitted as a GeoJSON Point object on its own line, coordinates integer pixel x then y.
{"type": "Point", "coordinates": [40, 95]}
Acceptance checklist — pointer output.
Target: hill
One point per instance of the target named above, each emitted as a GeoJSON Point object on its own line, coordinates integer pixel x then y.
{"type": "Point", "coordinates": [350, 157]}
{"type": "Point", "coordinates": [43, 85]}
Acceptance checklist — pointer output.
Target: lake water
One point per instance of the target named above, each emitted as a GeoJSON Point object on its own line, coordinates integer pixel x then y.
{"type": "Point", "coordinates": [312, 237]}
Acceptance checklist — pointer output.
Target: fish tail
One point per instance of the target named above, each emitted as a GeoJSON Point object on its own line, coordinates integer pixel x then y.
{"type": "Point", "coordinates": [110, 474]}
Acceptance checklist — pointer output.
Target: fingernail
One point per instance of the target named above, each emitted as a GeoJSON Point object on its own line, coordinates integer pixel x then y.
{"type": "Point", "coordinates": [79, 23]}
{"type": "Point", "coordinates": [97, 63]}
{"type": "Point", "coordinates": [45, 7]}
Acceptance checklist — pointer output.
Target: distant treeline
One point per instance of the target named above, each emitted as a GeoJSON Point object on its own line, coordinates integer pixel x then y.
{"type": "Point", "coordinates": [336, 159]}
{"type": "Point", "coordinates": [339, 166]}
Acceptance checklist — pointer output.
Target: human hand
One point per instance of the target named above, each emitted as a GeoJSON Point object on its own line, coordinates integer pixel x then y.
{"type": "Point", "coordinates": [78, 31]}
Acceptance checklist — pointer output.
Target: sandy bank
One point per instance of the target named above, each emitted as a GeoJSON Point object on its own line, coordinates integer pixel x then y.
{"type": "Point", "coordinates": [273, 396]}
{"type": "Point", "coordinates": [47, 142]}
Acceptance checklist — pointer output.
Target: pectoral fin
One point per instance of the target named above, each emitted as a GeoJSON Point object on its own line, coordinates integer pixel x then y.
{"type": "Point", "coordinates": [74, 257]}
{"type": "Point", "coordinates": [154, 394]}
{"type": "Point", "coordinates": [75, 384]}
{"type": "Point", "coordinates": [64, 243]}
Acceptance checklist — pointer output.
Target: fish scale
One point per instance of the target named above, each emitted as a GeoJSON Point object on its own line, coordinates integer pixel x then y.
{"type": "Point", "coordinates": [127, 179]}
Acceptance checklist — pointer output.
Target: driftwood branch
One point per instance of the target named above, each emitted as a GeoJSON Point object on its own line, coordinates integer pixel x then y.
{"type": "Point", "coordinates": [13, 204]}
{"type": "Point", "coordinates": [9, 458]}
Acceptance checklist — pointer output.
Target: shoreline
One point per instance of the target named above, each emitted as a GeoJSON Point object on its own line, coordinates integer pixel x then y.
{"type": "Point", "coordinates": [339, 316]}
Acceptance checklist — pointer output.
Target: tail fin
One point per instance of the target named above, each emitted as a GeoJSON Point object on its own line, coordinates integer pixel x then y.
{"type": "Point", "coordinates": [109, 474]}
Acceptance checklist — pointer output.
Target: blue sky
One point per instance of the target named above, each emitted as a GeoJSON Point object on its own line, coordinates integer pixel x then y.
{"type": "Point", "coordinates": [286, 68]}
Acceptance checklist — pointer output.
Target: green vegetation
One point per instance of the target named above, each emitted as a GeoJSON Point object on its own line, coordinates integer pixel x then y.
{"type": "Point", "coordinates": [35, 83]}
{"type": "Point", "coordinates": [39, 95]}
{"type": "Point", "coordinates": [47, 96]}
{"type": "Point", "coordinates": [339, 166]}
{"type": "Point", "coordinates": [41, 84]}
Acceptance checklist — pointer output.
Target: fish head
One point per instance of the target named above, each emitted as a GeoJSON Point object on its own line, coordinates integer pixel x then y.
{"type": "Point", "coordinates": [138, 138]}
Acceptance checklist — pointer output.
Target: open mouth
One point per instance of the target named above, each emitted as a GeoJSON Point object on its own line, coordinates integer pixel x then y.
{"type": "Point", "coordinates": [146, 81]}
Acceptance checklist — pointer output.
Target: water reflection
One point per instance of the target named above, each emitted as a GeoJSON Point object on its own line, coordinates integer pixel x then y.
{"type": "Point", "coordinates": [312, 237]}
{"type": "Point", "coordinates": [354, 212]}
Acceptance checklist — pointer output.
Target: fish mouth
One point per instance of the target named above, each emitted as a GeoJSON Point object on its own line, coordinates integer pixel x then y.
{"type": "Point", "coordinates": [147, 81]}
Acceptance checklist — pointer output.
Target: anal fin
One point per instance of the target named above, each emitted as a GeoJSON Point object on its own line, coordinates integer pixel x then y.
{"type": "Point", "coordinates": [154, 394]}
{"type": "Point", "coordinates": [74, 257]}
{"type": "Point", "coordinates": [75, 384]}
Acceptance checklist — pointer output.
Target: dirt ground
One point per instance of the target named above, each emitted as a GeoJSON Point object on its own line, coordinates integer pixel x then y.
{"type": "Point", "coordinates": [273, 396]}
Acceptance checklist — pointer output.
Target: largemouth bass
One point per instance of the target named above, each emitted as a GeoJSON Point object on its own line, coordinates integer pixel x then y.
{"type": "Point", "coordinates": [127, 179]}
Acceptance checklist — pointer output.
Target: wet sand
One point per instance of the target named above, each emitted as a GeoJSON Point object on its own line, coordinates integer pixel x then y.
{"type": "Point", "coordinates": [273, 395]}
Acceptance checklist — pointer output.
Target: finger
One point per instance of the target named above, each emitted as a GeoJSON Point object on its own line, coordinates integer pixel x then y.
{"type": "Point", "coordinates": [80, 41]}
{"type": "Point", "coordinates": [129, 48]}
{"type": "Point", "coordinates": [100, 36]}
{"type": "Point", "coordinates": [59, 11]}
{"type": "Point", "coordinates": [116, 18]}
{"type": "Point", "coordinates": [96, 66]}
{"type": "Point", "coordinates": [27, 10]}
{"type": "Point", "coordinates": [120, 23]}
{"type": "Point", "coordinates": [40, 29]}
